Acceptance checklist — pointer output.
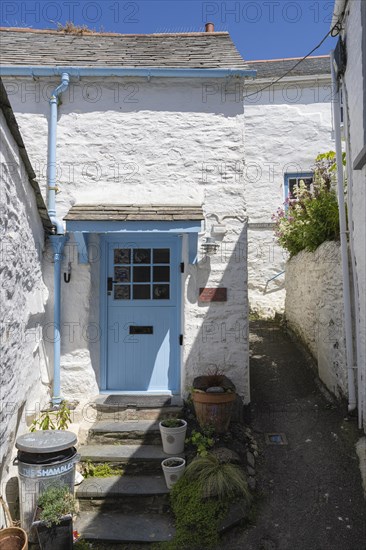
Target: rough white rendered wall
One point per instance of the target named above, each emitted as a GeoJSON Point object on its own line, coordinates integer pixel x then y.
{"type": "Point", "coordinates": [354, 85]}
{"type": "Point", "coordinates": [23, 367]}
{"type": "Point", "coordinates": [161, 142]}
{"type": "Point", "coordinates": [314, 311]}
{"type": "Point", "coordinates": [284, 131]}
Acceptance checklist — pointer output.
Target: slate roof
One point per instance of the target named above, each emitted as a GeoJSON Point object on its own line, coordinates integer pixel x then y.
{"type": "Point", "coordinates": [273, 68]}
{"type": "Point", "coordinates": [14, 130]}
{"type": "Point", "coordinates": [179, 50]}
{"type": "Point", "coordinates": [133, 212]}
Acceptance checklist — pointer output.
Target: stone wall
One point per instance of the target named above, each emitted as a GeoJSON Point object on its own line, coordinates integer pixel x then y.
{"type": "Point", "coordinates": [285, 129]}
{"type": "Point", "coordinates": [314, 311]}
{"type": "Point", "coordinates": [24, 374]}
{"type": "Point", "coordinates": [134, 141]}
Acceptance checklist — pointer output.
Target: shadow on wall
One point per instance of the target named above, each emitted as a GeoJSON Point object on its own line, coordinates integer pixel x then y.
{"type": "Point", "coordinates": [128, 95]}
{"type": "Point", "coordinates": [217, 332]}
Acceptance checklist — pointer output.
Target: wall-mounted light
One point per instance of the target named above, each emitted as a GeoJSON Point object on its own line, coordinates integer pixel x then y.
{"type": "Point", "coordinates": [210, 246]}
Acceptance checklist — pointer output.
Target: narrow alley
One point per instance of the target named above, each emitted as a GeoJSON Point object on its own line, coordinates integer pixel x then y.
{"type": "Point", "coordinates": [309, 486]}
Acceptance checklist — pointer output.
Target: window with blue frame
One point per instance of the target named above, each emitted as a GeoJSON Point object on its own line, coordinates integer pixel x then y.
{"type": "Point", "coordinates": [292, 180]}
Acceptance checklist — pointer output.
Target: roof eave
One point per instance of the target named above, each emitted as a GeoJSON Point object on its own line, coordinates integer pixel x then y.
{"type": "Point", "coordinates": [149, 72]}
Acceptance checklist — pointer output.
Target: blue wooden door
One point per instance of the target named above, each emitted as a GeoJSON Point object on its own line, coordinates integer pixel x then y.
{"type": "Point", "coordinates": [143, 277]}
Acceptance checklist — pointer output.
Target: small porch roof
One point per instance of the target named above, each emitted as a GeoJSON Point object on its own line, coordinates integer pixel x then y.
{"type": "Point", "coordinates": [84, 219]}
{"type": "Point", "coordinates": [133, 212]}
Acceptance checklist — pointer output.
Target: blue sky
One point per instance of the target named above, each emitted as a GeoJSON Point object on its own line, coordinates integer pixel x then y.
{"type": "Point", "coordinates": [261, 29]}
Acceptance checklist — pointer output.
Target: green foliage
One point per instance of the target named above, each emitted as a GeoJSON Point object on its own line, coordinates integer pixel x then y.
{"type": "Point", "coordinates": [53, 419]}
{"type": "Point", "coordinates": [81, 544]}
{"type": "Point", "coordinates": [203, 441]}
{"type": "Point", "coordinates": [197, 518]}
{"type": "Point", "coordinates": [172, 423]}
{"type": "Point", "coordinates": [101, 470]}
{"type": "Point", "coordinates": [55, 502]}
{"type": "Point", "coordinates": [310, 218]}
{"type": "Point", "coordinates": [221, 480]}
{"type": "Point", "coordinates": [200, 500]}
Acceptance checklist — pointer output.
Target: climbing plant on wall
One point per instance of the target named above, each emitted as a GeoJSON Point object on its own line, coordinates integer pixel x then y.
{"type": "Point", "coordinates": [310, 217]}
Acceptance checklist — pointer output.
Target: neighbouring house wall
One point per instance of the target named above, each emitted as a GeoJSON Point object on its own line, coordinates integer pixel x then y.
{"type": "Point", "coordinates": [24, 376]}
{"type": "Point", "coordinates": [355, 81]}
{"type": "Point", "coordinates": [134, 141]}
{"type": "Point", "coordinates": [285, 130]}
{"type": "Point", "coordinates": [314, 311]}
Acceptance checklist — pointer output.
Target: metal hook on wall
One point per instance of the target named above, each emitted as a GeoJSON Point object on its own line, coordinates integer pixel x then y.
{"type": "Point", "coordinates": [67, 276]}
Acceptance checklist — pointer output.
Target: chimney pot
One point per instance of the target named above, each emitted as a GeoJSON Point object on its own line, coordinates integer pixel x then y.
{"type": "Point", "coordinates": [210, 27]}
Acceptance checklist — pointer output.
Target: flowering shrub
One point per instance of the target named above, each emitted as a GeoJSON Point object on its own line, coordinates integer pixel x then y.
{"type": "Point", "coordinates": [310, 218]}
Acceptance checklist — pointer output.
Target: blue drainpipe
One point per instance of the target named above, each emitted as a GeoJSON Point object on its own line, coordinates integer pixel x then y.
{"type": "Point", "coordinates": [57, 243]}
{"type": "Point", "coordinates": [58, 240]}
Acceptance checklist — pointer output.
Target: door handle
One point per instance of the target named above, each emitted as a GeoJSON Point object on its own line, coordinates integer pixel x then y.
{"type": "Point", "coordinates": [110, 282]}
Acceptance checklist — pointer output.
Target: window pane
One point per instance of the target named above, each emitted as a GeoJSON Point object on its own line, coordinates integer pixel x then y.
{"type": "Point", "coordinates": [161, 274]}
{"type": "Point", "coordinates": [141, 292]}
{"type": "Point", "coordinates": [308, 182]}
{"type": "Point", "coordinates": [292, 182]}
{"type": "Point", "coordinates": [122, 256]}
{"type": "Point", "coordinates": [121, 292]}
{"type": "Point", "coordinates": [161, 255]}
{"type": "Point", "coordinates": [122, 274]}
{"type": "Point", "coordinates": [161, 292]}
{"type": "Point", "coordinates": [141, 274]}
{"type": "Point", "coordinates": [142, 256]}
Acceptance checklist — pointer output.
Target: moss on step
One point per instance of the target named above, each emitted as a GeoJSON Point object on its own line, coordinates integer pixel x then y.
{"type": "Point", "coordinates": [94, 469]}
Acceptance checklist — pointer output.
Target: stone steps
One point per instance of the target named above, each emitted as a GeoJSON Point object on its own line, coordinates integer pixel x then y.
{"type": "Point", "coordinates": [133, 507]}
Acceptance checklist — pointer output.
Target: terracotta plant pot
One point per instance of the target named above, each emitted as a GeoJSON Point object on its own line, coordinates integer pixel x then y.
{"type": "Point", "coordinates": [173, 469]}
{"type": "Point", "coordinates": [214, 409]}
{"type": "Point", "coordinates": [173, 438]}
{"type": "Point", "coordinates": [13, 538]}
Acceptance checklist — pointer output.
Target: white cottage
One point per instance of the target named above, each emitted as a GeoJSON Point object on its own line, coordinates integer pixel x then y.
{"type": "Point", "coordinates": [137, 141]}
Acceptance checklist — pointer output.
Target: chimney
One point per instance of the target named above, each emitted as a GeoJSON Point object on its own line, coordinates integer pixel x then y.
{"type": "Point", "coordinates": [210, 27]}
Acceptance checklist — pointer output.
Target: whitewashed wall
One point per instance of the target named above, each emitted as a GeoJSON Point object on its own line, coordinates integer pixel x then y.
{"type": "Point", "coordinates": [164, 142]}
{"type": "Point", "coordinates": [24, 377]}
{"type": "Point", "coordinates": [285, 130]}
{"type": "Point", "coordinates": [355, 81]}
{"type": "Point", "coordinates": [314, 311]}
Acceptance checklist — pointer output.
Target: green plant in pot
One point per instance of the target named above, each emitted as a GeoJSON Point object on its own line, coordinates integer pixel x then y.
{"type": "Point", "coordinates": [173, 434]}
{"type": "Point", "coordinates": [53, 521]}
{"type": "Point", "coordinates": [213, 397]}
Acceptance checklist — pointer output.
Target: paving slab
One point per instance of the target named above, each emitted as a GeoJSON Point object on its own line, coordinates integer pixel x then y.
{"type": "Point", "coordinates": [121, 486]}
{"type": "Point", "coordinates": [123, 453]}
{"type": "Point", "coordinates": [117, 527]}
{"type": "Point", "coordinates": [134, 401]}
{"type": "Point", "coordinates": [140, 427]}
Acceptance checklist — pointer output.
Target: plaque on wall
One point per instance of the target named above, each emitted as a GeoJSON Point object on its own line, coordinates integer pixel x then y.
{"type": "Point", "coordinates": [213, 294]}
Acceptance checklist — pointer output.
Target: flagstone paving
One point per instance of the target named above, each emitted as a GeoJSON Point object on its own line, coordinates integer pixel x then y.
{"type": "Point", "coordinates": [310, 495]}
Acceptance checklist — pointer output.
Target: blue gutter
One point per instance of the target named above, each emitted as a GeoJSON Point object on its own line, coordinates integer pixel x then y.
{"type": "Point", "coordinates": [57, 241]}
{"type": "Point", "coordinates": [37, 71]}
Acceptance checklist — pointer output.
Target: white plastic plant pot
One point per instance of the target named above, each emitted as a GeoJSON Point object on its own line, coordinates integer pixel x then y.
{"type": "Point", "coordinates": [173, 469]}
{"type": "Point", "coordinates": [173, 438]}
